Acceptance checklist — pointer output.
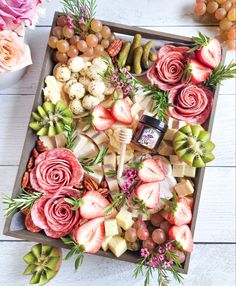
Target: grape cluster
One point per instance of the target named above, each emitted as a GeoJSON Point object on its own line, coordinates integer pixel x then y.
{"type": "Point", "coordinates": [68, 44]}
{"type": "Point", "coordinates": [224, 11]}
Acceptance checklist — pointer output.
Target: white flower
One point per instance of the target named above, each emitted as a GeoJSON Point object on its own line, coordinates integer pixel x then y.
{"type": "Point", "coordinates": [96, 87]}
{"type": "Point", "coordinates": [89, 102]}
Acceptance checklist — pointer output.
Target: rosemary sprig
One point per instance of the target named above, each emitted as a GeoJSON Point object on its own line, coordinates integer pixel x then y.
{"type": "Point", "coordinates": [160, 98]}
{"type": "Point", "coordinates": [75, 202]}
{"type": "Point", "coordinates": [141, 205]}
{"type": "Point", "coordinates": [118, 201]}
{"type": "Point", "coordinates": [219, 74]}
{"type": "Point", "coordinates": [70, 134]}
{"type": "Point", "coordinates": [75, 250]}
{"type": "Point", "coordinates": [22, 201]}
{"type": "Point", "coordinates": [201, 40]}
{"type": "Point", "coordinates": [110, 173]}
{"type": "Point", "coordinates": [88, 164]}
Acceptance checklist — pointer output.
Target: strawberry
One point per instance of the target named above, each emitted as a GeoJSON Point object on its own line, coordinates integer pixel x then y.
{"type": "Point", "coordinates": [102, 118]}
{"type": "Point", "coordinates": [93, 205]}
{"type": "Point", "coordinates": [210, 54]}
{"type": "Point", "coordinates": [179, 211]}
{"type": "Point", "coordinates": [183, 236]}
{"type": "Point", "coordinates": [197, 72]}
{"type": "Point", "coordinates": [121, 111]}
{"type": "Point", "coordinates": [90, 234]}
{"type": "Point", "coordinates": [150, 171]}
{"type": "Point", "coordinates": [149, 193]}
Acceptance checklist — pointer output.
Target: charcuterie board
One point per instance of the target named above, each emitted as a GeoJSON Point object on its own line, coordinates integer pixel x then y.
{"type": "Point", "coordinates": [81, 154]}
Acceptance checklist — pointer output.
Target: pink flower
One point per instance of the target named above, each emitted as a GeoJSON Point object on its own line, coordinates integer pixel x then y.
{"type": "Point", "coordinates": [144, 252]}
{"type": "Point", "coordinates": [169, 245]}
{"type": "Point", "coordinates": [166, 265]}
{"type": "Point", "coordinates": [128, 76]}
{"type": "Point", "coordinates": [14, 12]}
{"type": "Point", "coordinates": [81, 20]}
{"type": "Point", "coordinates": [161, 250]}
{"type": "Point", "coordinates": [14, 53]}
{"type": "Point", "coordinates": [120, 84]}
{"type": "Point", "coordinates": [70, 20]}
{"type": "Point", "coordinates": [84, 9]}
{"type": "Point", "coordinates": [171, 261]}
{"type": "Point", "coordinates": [114, 77]}
{"type": "Point", "coordinates": [161, 257]}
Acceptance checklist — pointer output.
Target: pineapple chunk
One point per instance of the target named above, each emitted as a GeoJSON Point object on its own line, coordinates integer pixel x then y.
{"type": "Point", "coordinates": [170, 134]}
{"type": "Point", "coordinates": [124, 219]}
{"type": "Point", "coordinates": [184, 188]}
{"type": "Point", "coordinates": [111, 227]}
{"type": "Point", "coordinates": [178, 171]}
{"type": "Point", "coordinates": [117, 245]}
{"type": "Point", "coordinates": [105, 242]}
{"type": "Point", "coordinates": [189, 171]}
{"type": "Point", "coordinates": [165, 149]}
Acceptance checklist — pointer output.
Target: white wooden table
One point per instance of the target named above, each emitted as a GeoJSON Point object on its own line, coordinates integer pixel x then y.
{"type": "Point", "coordinates": [212, 261]}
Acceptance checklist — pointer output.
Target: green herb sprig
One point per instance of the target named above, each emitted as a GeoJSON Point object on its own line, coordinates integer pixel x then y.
{"type": "Point", "coordinates": [118, 201]}
{"type": "Point", "coordinates": [220, 74]}
{"type": "Point", "coordinates": [70, 135]}
{"type": "Point", "coordinates": [75, 250]}
{"type": "Point", "coordinates": [110, 173]}
{"type": "Point", "coordinates": [141, 205]}
{"type": "Point", "coordinates": [199, 41]}
{"type": "Point", "coordinates": [23, 201]}
{"type": "Point", "coordinates": [75, 202]}
{"type": "Point", "coordinates": [88, 164]}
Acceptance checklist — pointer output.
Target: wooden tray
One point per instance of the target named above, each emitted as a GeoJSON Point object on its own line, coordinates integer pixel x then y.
{"type": "Point", "coordinates": [14, 225]}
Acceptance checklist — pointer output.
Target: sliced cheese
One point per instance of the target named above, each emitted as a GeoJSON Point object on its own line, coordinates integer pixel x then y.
{"type": "Point", "coordinates": [170, 134]}
{"type": "Point", "coordinates": [184, 188]}
{"type": "Point", "coordinates": [48, 142]}
{"type": "Point", "coordinates": [90, 150]}
{"type": "Point", "coordinates": [80, 142]}
{"type": "Point", "coordinates": [117, 245]}
{"type": "Point", "coordinates": [60, 140]}
{"type": "Point", "coordinates": [98, 173]}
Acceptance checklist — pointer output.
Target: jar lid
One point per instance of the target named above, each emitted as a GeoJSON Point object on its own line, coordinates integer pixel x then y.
{"type": "Point", "coordinates": [154, 122]}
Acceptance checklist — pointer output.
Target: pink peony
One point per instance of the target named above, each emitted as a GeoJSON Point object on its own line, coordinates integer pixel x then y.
{"type": "Point", "coordinates": [14, 53]}
{"type": "Point", "coordinates": [14, 12]}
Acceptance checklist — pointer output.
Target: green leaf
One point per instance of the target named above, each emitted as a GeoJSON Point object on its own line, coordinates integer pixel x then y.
{"type": "Point", "coordinates": [201, 40]}
{"type": "Point", "coordinates": [70, 133]}
{"type": "Point", "coordinates": [110, 173]}
{"type": "Point", "coordinates": [118, 200]}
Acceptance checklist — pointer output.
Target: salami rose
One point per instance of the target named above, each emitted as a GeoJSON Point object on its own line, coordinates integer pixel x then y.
{"type": "Point", "coordinates": [54, 215]}
{"type": "Point", "coordinates": [55, 169]}
{"type": "Point", "coordinates": [190, 103]}
{"type": "Point", "coordinates": [167, 71]}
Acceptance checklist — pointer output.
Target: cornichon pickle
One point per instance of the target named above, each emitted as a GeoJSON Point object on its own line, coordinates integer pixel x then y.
{"type": "Point", "coordinates": [123, 55]}
{"type": "Point", "coordinates": [128, 68]}
{"type": "Point", "coordinates": [152, 56]}
{"type": "Point", "coordinates": [136, 43]}
{"type": "Point", "coordinates": [137, 60]}
{"type": "Point", "coordinates": [146, 50]}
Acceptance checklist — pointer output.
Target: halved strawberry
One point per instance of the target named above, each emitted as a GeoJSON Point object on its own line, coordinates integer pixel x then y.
{"type": "Point", "coordinates": [121, 111]}
{"type": "Point", "coordinates": [197, 71]}
{"type": "Point", "coordinates": [183, 236]}
{"type": "Point", "coordinates": [150, 171]}
{"type": "Point", "coordinates": [149, 193]}
{"type": "Point", "coordinates": [91, 234]}
{"type": "Point", "coordinates": [210, 54]}
{"type": "Point", "coordinates": [180, 212]}
{"type": "Point", "coordinates": [93, 205]}
{"type": "Point", "coordinates": [102, 118]}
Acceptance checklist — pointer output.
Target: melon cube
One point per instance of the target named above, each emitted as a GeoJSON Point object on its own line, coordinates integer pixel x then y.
{"type": "Point", "coordinates": [111, 227]}
{"type": "Point", "coordinates": [117, 245]}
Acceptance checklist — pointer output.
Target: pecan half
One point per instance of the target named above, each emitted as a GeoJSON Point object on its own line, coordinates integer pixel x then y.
{"type": "Point", "coordinates": [25, 180]}
{"type": "Point", "coordinates": [90, 184]}
{"type": "Point", "coordinates": [114, 47]}
{"type": "Point", "coordinates": [35, 153]}
{"type": "Point", "coordinates": [41, 147]}
{"type": "Point", "coordinates": [103, 184]}
{"type": "Point", "coordinates": [103, 191]}
{"type": "Point", "coordinates": [30, 164]}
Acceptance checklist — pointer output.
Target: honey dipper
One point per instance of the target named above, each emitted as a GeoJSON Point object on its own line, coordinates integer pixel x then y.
{"type": "Point", "coordinates": [125, 137]}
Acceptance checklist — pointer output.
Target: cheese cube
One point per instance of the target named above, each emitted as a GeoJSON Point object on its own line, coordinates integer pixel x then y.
{"type": "Point", "coordinates": [98, 173]}
{"type": "Point", "coordinates": [170, 134]}
{"type": "Point", "coordinates": [173, 123]}
{"type": "Point", "coordinates": [178, 171]}
{"type": "Point", "coordinates": [184, 188]}
{"type": "Point", "coordinates": [175, 160]}
{"type": "Point", "coordinates": [124, 219]}
{"type": "Point", "coordinates": [120, 230]}
{"type": "Point", "coordinates": [189, 171]}
{"type": "Point", "coordinates": [117, 245]}
{"type": "Point", "coordinates": [105, 242]}
{"type": "Point", "coordinates": [111, 227]}
{"type": "Point", "coordinates": [165, 149]}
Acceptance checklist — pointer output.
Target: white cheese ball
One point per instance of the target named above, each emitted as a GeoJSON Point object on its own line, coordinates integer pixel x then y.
{"type": "Point", "coordinates": [74, 75]}
{"type": "Point", "coordinates": [52, 95]}
{"type": "Point", "coordinates": [85, 81]}
{"type": "Point", "coordinates": [75, 64]}
{"type": "Point", "coordinates": [62, 73]}
{"type": "Point", "coordinates": [76, 107]}
{"type": "Point", "coordinates": [68, 84]}
{"type": "Point", "coordinates": [99, 62]}
{"type": "Point", "coordinates": [96, 87]}
{"type": "Point", "coordinates": [101, 97]}
{"type": "Point", "coordinates": [85, 68]}
{"type": "Point", "coordinates": [76, 91]}
{"type": "Point", "coordinates": [109, 89]}
{"type": "Point", "coordinates": [89, 102]}
{"type": "Point", "coordinates": [94, 72]}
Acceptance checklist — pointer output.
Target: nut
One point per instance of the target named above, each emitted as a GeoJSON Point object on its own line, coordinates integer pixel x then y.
{"type": "Point", "coordinates": [35, 153]}
{"type": "Point", "coordinates": [103, 184]}
{"type": "Point", "coordinates": [103, 191]}
{"type": "Point", "coordinates": [25, 211]}
{"type": "Point", "coordinates": [41, 147]}
{"type": "Point", "coordinates": [90, 184]}
{"type": "Point", "coordinates": [30, 164]}
{"type": "Point", "coordinates": [25, 180]}
{"type": "Point", "coordinates": [114, 47]}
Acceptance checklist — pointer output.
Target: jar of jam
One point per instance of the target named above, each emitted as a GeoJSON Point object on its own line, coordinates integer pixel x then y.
{"type": "Point", "coordinates": [149, 132]}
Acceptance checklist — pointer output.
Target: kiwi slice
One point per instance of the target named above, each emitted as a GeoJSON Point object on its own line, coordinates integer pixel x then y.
{"type": "Point", "coordinates": [43, 262]}
{"type": "Point", "coordinates": [192, 144]}
{"type": "Point", "coordinates": [50, 119]}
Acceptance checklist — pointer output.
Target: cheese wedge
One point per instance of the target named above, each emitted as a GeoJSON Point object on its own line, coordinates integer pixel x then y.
{"type": "Point", "coordinates": [165, 149]}
{"type": "Point", "coordinates": [105, 243]}
{"type": "Point", "coordinates": [98, 173]}
{"type": "Point", "coordinates": [117, 245]}
{"type": "Point", "coordinates": [124, 219]}
{"type": "Point", "coordinates": [60, 140]}
{"type": "Point", "coordinates": [184, 188]}
{"type": "Point", "coordinates": [48, 142]}
{"type": "Point", "coordinates": [189, 171]}
{"type": "Point", "coordinates": [178, 171]}
{"type": "Point", "coordinates": [170, 134]}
